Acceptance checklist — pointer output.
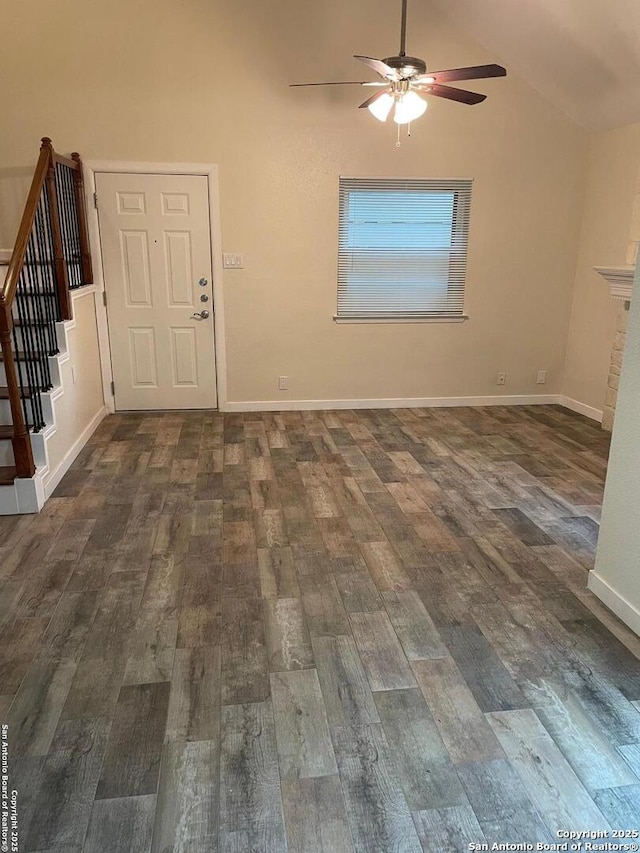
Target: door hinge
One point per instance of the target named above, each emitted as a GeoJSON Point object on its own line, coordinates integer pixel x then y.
{"type": "Point", "coordinates": [104, 298]}
{"type": "Point", "coordinates": [113, 389]}
{"type": "Point", "coordinates": [95, 200]}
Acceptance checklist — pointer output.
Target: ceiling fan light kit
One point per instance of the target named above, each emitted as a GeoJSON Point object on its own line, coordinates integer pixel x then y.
{"type": "Point", "coordinates": [406, 81]}
{"type": "Point", "coordinates": [409, 107]}
{"type": "Point", "coordinates": [381, 107]}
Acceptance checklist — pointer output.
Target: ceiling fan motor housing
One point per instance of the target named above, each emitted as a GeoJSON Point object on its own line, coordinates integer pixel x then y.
{"type": "Point", "coordinates": [407, 66]}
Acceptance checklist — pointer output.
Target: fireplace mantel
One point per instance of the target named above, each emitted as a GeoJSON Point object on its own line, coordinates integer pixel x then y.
{"type": "Point", "coordinates": [619, 279]}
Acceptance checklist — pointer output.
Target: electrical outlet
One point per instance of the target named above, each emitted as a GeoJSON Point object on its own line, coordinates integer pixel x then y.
{"type": "Point", "coordinates": [542, 377]}
{"type": "Point", "coordinates": [501, 379]}
{"type": "Point", "coordinates": [283, 383]}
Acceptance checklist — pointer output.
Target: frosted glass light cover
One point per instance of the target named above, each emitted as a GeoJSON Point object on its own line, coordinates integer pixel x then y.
{"type": "Point", "coordinates": [409, 107]}
{"type": "Point", "coordinates": [381, 107]}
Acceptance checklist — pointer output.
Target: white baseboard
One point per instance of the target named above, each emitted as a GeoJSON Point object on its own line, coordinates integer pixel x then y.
{"type": "Point", "coordinates": [25, 496]}
{"type": "Point", "coordinates": [30, 494]}
{"type": "Point", "coordinates": [388, 403]}
{"type": "Point", "coordinates": [55, 476]}
{"type": "Point", "coordinates": [9, 500]}
{"type": "Point", "coordinates": [626, 611]}
{"type": "Point", "coordinates": [581, 408]}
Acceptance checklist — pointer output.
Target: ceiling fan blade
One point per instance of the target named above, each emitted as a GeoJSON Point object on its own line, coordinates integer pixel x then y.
{"type": "Point", "coordinates": [372, 99]}
{"type": "Point", "coordinates": [473, 72]}
{"type": "Point", "coordinates": [379, 67]}
{"type": "Point", "coordinates": [339, 83]}
{"type": "Point", "coordinates": [461, 95]}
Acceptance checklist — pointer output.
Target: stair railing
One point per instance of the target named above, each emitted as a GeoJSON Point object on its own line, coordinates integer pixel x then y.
{"type": "Point", "coordinates": [51, 257]}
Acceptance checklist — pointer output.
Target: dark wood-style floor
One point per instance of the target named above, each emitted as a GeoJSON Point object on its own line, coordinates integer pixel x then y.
{"type": "Point", "coordinates": [335, 631]}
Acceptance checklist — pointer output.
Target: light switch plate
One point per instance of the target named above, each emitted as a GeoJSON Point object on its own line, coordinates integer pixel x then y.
{"type": "Point", "coordinates": [232, 261]}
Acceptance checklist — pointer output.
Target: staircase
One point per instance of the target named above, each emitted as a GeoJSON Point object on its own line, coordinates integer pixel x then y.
{"type": "Point", "coordinates": [51, 258]}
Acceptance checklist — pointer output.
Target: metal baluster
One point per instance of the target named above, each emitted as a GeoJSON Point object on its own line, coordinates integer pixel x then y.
{"type": "Point", "coordinates": [86, 269]}
{"type": "Point", "coordinates": [36, 235]}
{"type": "Point", "coordinates": [77, 254]}
{"type": "Point", "coordinates": [38, 302]}
{"type": "Point", "coordinates": [62, 216]}
{"type": "Point", "coordinates": [23, 380]}
{"type": "Point", "coordinates": [73, 223]}
{"type": "Point", "coordinates": [56, 311]}
{"type": "Point", "coordinates": [68, 224]}
{"type": "Point", "coordinates": [63, 297]}
{"type": "Point", "coordinates": [46, 261]}
{"type": "Point", "coordinates": [31, 349]}
{"type": "Point", "coordinates": [33, 355]}
{"type": "Point", "coordinates": [36, 366]}
{"type": "Point", "coordinates": [27, 343]}
{"type": "Point", "coordinates": [51, 302]}
{"type": "Point", "coordinates": [41, 305]}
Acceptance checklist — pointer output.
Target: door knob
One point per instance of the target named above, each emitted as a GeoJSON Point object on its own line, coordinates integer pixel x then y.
{"type": "Point", "coordinates": [202, 315]}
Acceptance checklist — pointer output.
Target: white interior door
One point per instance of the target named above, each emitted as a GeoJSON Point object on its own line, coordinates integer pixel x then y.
{"type": "Point", "coordinates": [156, 251]}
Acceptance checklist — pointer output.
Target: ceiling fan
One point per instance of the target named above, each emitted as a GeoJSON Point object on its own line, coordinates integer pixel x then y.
{"type": "Point", "coordinates": [406, 79]}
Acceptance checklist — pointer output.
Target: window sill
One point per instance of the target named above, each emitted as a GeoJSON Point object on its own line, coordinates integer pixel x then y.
{"type": "Point", "coordinates": [408, 318]}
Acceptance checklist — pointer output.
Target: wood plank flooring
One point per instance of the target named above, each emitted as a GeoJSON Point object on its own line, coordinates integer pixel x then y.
{"type": "Point", "coordinates": [318, 632]}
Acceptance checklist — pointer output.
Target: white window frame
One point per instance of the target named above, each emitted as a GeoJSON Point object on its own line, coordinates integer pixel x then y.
{"type": "Point", "coordinates": [462, 188]}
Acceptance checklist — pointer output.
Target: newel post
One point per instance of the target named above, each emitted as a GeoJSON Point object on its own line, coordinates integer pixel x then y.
{"type": "Point", "coordinates": [60, 267]}
{"type": "Point", "coordinates": [85, 249]}
{"type": "Point", "coordinates": [20, 440]}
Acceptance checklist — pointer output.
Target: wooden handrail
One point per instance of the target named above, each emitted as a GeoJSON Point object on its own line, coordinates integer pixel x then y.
{"type": "Point", "coordinates": [65, 161]}
{"type": "Point", "coordinates": [24, 231]}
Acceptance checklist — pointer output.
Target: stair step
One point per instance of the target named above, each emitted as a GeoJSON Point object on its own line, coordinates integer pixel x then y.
{"type": "Point", "coordinates": [4, 392]}
{"type": "Point", "coordinates": [7, 476]}
{"type": "Point", "coordinates": [6, 433]}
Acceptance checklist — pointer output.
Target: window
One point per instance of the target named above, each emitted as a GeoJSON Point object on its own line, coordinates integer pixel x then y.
{"type": "Point", "coordinates": [402, 248]}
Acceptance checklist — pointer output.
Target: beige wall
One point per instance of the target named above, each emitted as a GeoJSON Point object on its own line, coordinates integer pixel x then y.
{"type": "Point", "coordinates": [81, 406]}
{"type": "Point", "coordinates": [14, 188]}
{"type": "Point", "coordinates": [206, 81]}
{"type": "Point", "coordinates": [616, 579]}
{"type": "Point", "coordinates": [614, 163]}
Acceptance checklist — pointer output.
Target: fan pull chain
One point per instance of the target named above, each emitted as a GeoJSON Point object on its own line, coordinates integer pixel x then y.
{"type": "Point", "coordinates": [398, 143]}
{"type": "Point", "coordinates": [409, 129]}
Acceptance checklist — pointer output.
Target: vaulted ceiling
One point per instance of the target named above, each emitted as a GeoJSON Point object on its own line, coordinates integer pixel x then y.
{"type": "Point", "coordinates": [583, 55]}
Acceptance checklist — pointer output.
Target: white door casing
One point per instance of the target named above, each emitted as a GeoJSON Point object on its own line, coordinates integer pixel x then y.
{"type": "Point", "coordinates": [155, 241]}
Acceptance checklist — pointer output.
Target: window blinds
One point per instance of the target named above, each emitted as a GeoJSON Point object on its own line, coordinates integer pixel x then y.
{"type": "Point", "coordinates": [402, 247]}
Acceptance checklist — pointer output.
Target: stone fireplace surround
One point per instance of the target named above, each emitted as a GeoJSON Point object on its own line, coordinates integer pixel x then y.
{"type": "Point", "coordinates": [620, 281]}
